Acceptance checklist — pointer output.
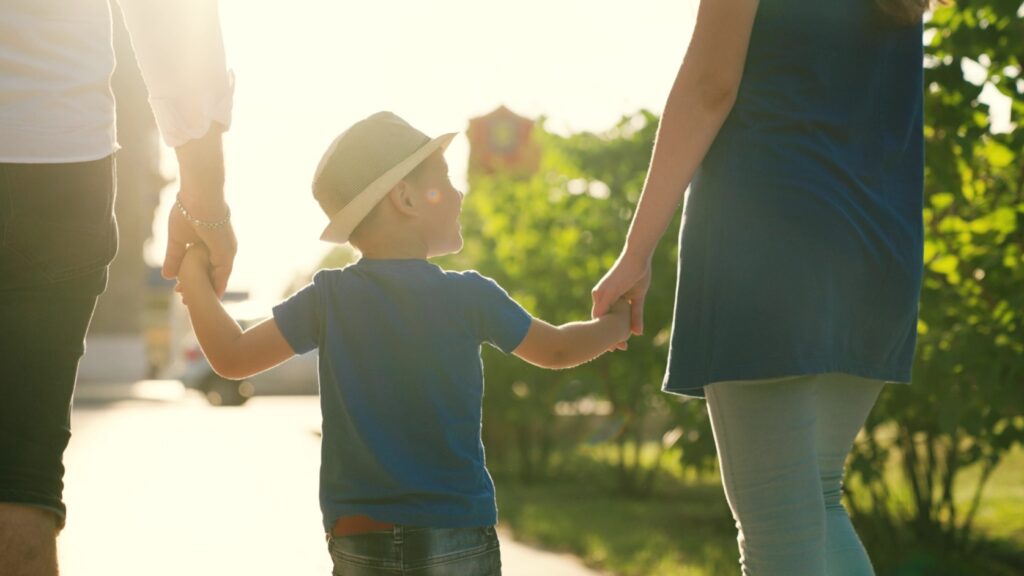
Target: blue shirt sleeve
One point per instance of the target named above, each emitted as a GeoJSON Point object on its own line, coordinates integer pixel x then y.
{"type": "Point", "coordinates": [496, 318]}
{"type": "Point", "coordinates": [298, 318]}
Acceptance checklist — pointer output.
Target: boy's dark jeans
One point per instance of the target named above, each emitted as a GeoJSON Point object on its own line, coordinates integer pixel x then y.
{"type": "Point", "coordinates": [412, 551]}
{"type": "Point", "coordinates": [57, 236]}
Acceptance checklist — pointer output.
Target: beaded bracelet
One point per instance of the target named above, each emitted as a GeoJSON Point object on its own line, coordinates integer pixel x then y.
{"type": "Point", "coordinates": [197, 222]}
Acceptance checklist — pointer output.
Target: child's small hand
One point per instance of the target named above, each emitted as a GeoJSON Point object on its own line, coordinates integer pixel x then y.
{"type": "Point", "coordinates": [195, 267]}
{"type": "Point", "coordinates": [621, 312]}
{"type": "Point", "coordinates": [621, 306]}
{"type": "Point", "coordinates": [197, 260]}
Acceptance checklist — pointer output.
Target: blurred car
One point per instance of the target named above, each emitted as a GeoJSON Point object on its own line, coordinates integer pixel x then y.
{"type": "Point", "coordinates": [296, 376]}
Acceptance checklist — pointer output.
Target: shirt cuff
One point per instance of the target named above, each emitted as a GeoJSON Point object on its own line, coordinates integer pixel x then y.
{"type": "Point", "coordinates": [189, 117]}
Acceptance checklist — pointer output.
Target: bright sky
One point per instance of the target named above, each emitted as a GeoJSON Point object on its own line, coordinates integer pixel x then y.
{"type": "Point", "coordinates": [305, 73]}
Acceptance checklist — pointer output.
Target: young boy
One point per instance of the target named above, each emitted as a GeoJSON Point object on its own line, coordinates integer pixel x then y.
{"type": "Point", "coordinates": [403, 485]}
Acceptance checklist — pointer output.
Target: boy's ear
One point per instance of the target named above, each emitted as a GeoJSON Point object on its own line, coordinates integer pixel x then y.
{"type": "Point", "coordinates": [401, 197]}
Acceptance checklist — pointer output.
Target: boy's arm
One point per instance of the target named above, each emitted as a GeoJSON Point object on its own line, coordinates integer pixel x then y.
{"type": "Point", "coordinates": [574, 343]}
{"type": "Point", "coordinates": [232, 352]}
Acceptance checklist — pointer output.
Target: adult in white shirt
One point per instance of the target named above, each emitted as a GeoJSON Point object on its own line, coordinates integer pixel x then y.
{"type": "Point", "coordinates": [57, 229]}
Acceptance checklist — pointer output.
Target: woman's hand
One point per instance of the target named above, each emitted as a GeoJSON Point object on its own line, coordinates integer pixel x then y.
{"type": "Point", "coordinates": [629, 278]}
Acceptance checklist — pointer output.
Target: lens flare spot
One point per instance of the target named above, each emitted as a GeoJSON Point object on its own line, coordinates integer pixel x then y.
{"type": "Point", "coordinates": [433, 196]}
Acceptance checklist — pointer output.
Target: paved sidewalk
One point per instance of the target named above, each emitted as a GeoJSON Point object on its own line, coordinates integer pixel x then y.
{"type": "Point", "coordinates": [521, 560]}
{"type": "Point", "coordinates": [160, 483]}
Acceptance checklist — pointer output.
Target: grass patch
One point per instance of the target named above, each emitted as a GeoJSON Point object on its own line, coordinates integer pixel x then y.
{"type": "Point", "coordinates": [689, 532]}
{"type": "Point", "coordinates": [1001, 515]}
{"type": "Point", "coordinates": [686, 528]}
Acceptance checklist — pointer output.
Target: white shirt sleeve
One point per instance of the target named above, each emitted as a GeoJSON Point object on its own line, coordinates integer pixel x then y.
{"type": "Point", "coordinates": [180, 52]}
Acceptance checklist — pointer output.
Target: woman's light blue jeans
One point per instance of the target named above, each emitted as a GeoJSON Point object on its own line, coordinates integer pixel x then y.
{"type": "Point", "coordinates": [782, 445]}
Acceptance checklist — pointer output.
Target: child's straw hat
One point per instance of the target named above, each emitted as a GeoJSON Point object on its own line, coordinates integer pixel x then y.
{"type": "Point", "coordinates": [363, 164]}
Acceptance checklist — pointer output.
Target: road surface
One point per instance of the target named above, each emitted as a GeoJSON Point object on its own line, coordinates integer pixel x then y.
{"type": "Point", "coordinates": [160, 483]}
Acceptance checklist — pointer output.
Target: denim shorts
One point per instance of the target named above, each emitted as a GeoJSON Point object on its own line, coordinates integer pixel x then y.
{"type": "Point", "coordinates": [411, 551]}
{"type": "Point", "coordinates": [57, 237]}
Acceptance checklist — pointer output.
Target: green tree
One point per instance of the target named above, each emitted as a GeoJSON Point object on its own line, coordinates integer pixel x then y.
{"type": "Point", "coordinates": [547, 239]}
{"type": "Point", "coordinates": [964, 408]}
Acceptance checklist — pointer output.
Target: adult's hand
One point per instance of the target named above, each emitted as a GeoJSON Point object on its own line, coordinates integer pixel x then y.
{"type": "Point", "coordinates": [221, 244]}
{"type": "Point", "coordinates": [628, 278]}
{"type": "Point", "coordinates": [201, 163]}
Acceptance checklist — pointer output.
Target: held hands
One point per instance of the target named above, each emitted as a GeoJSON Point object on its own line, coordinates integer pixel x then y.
{"type": "Point", "coordinates": [201, 162]}
{"type": "Point", "coordinates": [193, 270]}
{"type": "Point", "coordinates": [620, 313]}
{"type": "Point", "coordinates": [195, 264]}
{"type": "Point", "coordinates": [220, 243]}
{"type": "Point", "coordinates": [627, 280]}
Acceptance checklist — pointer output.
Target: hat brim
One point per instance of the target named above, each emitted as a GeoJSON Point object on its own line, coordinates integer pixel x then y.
{"type": "Point", "coordinates": [345, 220]}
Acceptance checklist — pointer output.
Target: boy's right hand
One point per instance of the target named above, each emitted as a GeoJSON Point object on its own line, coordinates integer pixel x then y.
{"type": "Point", "coordinates": [195, 265]}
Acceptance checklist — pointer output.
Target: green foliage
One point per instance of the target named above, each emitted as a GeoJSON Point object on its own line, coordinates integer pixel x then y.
{"type": "Point", "coordinates": [965, 405]}
{"type": "Point", "coordinates": [548, 239]}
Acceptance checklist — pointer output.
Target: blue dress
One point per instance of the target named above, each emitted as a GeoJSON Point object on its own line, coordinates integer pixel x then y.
{"type": "Point", "coordinates": [801, 244]}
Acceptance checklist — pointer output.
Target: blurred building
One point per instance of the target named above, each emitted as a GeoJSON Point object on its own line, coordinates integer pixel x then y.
{"type": "Point", "coordinates": [502, 141]}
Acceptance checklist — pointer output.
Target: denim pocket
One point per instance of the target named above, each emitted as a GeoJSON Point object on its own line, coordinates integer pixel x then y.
{"type": "Point", "coordinates": [418, 551]}
{"type": "Point", "coordinates": [56, 221]}
{"type": "Point", "coordinates": [445, 552]}
{"type": "Point", "coordinates": [369, 554]}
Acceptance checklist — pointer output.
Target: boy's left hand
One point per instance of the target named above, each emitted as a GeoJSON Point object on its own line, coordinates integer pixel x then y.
{"type": "Point", "coordinates": [621, 309]}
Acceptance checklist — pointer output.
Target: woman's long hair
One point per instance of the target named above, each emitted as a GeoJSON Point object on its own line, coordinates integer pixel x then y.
{"type": "Point", "coordinates": [902, 12]}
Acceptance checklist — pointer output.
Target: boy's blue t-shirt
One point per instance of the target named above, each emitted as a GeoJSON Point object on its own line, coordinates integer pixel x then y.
{"type": "Point", "coordinates": [401, 387]}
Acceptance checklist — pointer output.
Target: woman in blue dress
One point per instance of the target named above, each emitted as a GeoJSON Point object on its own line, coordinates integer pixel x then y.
{"type": "Point", "coordinates": [798, 126]}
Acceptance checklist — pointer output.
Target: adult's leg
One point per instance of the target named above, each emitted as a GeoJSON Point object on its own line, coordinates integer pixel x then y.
{"type": "Point", "coordinates": [765, 434]}
{"type": "Point", "coordinates": [57, 236]}
{"type": "Point", "coordinates": [39, 363]}
{"type": "Point", "coordinates": [843, 404]}
{"type": "Point", "coordinates": [28, 542]}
